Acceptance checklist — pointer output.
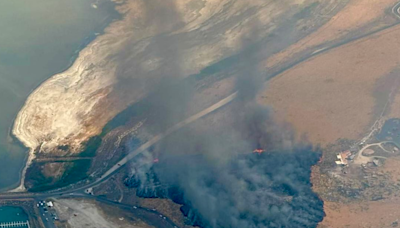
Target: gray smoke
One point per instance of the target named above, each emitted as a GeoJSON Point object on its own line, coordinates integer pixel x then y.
{"type": "Point", "coordinates": [227, 185]}
{"type": "Point", "coordinates": [222, 182]}
{"type": "Point", "coordinates": [219, 178]}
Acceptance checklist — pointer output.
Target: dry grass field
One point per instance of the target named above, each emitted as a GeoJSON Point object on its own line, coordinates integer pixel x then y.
{"type": "Point", "coordinates": [366, 215]}
{"type": "Point", "coordinates": [354, 16]}
{"type": "Point", "coordinates": [336, 94]}
{"type": "Point", "coordinates": [340, 93]}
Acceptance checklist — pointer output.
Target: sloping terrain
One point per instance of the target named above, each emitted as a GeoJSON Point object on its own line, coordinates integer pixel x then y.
{"type": "Point", "coordinates": [133, 57]}
{"type": "Point", "coordinates": [356, 18]}
{"type": "Point", "coordinates": [92, 214]}
{"type": "Point", "coordinates": [143, 53]}
{"type": "Point", "coordinates": [346, 90]}
{"type": "Point", "coordinates": [340, 93]}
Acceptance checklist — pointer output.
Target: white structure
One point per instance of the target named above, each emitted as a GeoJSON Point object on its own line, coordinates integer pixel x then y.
{"type": "Point", "coordinates": [342, 156]}
{"type": "Point", "coordinates": [14, 224]}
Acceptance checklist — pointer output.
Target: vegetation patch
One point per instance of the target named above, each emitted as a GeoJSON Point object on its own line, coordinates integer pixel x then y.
{"type": "Point", "coordinates": [91, 147]}
{"type": "Point", "coordinates": [37, 180]}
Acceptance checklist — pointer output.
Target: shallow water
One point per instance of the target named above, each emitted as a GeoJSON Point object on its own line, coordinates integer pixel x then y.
{"type": "Point", "coordinates": [12, 214]}
{"type": "Point", "coordinates": [37, 40]}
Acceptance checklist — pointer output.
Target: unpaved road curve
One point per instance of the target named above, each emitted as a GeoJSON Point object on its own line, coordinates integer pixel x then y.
{"type": "Point", "coordinates": [396, 10]}
{"type": "Point", "coordinates": [361, 159]}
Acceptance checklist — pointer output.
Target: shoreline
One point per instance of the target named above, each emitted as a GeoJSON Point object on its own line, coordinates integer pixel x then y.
{"type": "Point", "coordinates": [30, 156]}
{"type": "Point", "coordinates": [88, 82]}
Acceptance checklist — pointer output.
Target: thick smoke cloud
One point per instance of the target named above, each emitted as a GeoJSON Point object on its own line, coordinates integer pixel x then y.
{"type": "Point", "coordinates": [219, 181]}
{"type": "Point", "coordinates": [268, 190]}
{"type": "Point", "coordinates": [226, 185]}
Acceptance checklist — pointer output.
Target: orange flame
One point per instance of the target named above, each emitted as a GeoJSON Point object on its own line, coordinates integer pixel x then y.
{"type": "Point", "coordinates": [259, 151]}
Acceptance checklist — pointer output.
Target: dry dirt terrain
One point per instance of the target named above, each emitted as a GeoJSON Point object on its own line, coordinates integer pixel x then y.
{"type": "Point", "coordinates": [338, 94]}
{"type": "Point", "coordinates": [86, 213]}
{"type": "Point", "coordinates": [366, 215]}
{"type": "Point", "coordinates": [342, 93]}
{"type": "Point", "coordinates": [355, 16]}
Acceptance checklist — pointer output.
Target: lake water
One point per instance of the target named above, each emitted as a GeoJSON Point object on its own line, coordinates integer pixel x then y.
{"type": "Point", "coordinates": [12, 214]}
{"type": "Point", "coordinates": [37, 40]}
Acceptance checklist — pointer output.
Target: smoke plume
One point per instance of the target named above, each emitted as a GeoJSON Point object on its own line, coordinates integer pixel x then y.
{"type": "Point", "coordinates": [211, 169]}
{"type": "Point", "coordinates": [214, 173]}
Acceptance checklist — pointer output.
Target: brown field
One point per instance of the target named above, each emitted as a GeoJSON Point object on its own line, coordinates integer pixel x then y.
{"type": "Point", "coordinates": [351, 212]}
{"type": "Point", "coordinates": [93, 214]}
{"type": "Point", "coordinates": [354, 16]}
{"type": "Point", "coordinates": [341, 93]}
{"type": "Point", "coordinates": [395, 106]}
{"type": "Point", "coordinates": [334, 95]}
{"type": "Point", "coordinates": [392, 166]}
{"type": "Point", "coordinates": [367, 215]}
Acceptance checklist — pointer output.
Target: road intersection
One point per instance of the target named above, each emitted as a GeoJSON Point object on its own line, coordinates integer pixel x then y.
{"type": "Point", "coordinates": [79, 191]}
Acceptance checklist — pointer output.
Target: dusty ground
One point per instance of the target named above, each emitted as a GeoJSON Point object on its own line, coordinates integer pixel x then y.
{"type": "Point", "coordinates": [90, 214]}
{"type": "Point", "coordinates": [340, 94]}
{"type": "Point", "coordinates": [168, 208]}
{"type": "Point", "coordinates": [392, 166]}
{"type": "Point", "coordinates": [353, 17]}
{"type": "Point", "coordinates": [114, 189]}
{"type": "Point", "coordinates": [367, 215]}
{"type": "Point", "coordinates": [345, 209]}
{"type": "Point", "coordinates": [332, 96]}
{"type": "Point", "coordinates": [394, 111]}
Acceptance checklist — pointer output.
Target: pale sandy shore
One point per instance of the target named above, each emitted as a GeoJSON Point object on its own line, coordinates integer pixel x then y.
{"type": "Point", "coordinates": [55, 113]}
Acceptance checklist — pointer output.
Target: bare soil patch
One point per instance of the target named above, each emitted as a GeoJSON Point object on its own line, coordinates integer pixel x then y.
{"type": "Point", "coordinates": [367, 215]}
{"type": "Point", "coordinates": [392, 166]}
{"type": "Point", "coordinates": [354, 16]}
{"type": "Point", "coordinates": [331, 96]}
{"type": "Point", "coordinates": [86, 213]}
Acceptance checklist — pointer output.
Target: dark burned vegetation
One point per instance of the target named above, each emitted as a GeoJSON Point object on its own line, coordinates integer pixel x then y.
{"type": "Point", "coordinates": [276, 184]}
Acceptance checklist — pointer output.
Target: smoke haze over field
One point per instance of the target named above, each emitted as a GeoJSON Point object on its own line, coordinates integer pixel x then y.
{"type": "Point", "coordinates": [226, 185]}
{"type": "Point", "coordinates": [221, 181]}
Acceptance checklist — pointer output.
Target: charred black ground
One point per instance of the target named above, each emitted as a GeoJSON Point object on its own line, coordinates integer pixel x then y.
{"type": "Point", "coordinates": [212, 171]}
{"type": "Point", "coordinates": [271, 189]}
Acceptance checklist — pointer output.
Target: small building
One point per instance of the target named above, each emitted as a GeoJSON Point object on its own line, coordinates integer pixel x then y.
{"type": "Point", "coordinates": [49, 204]}
{"type": "Point", "coordinates": [343, 156]}
{"type": "Point", "coordinates": [376, 162]}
